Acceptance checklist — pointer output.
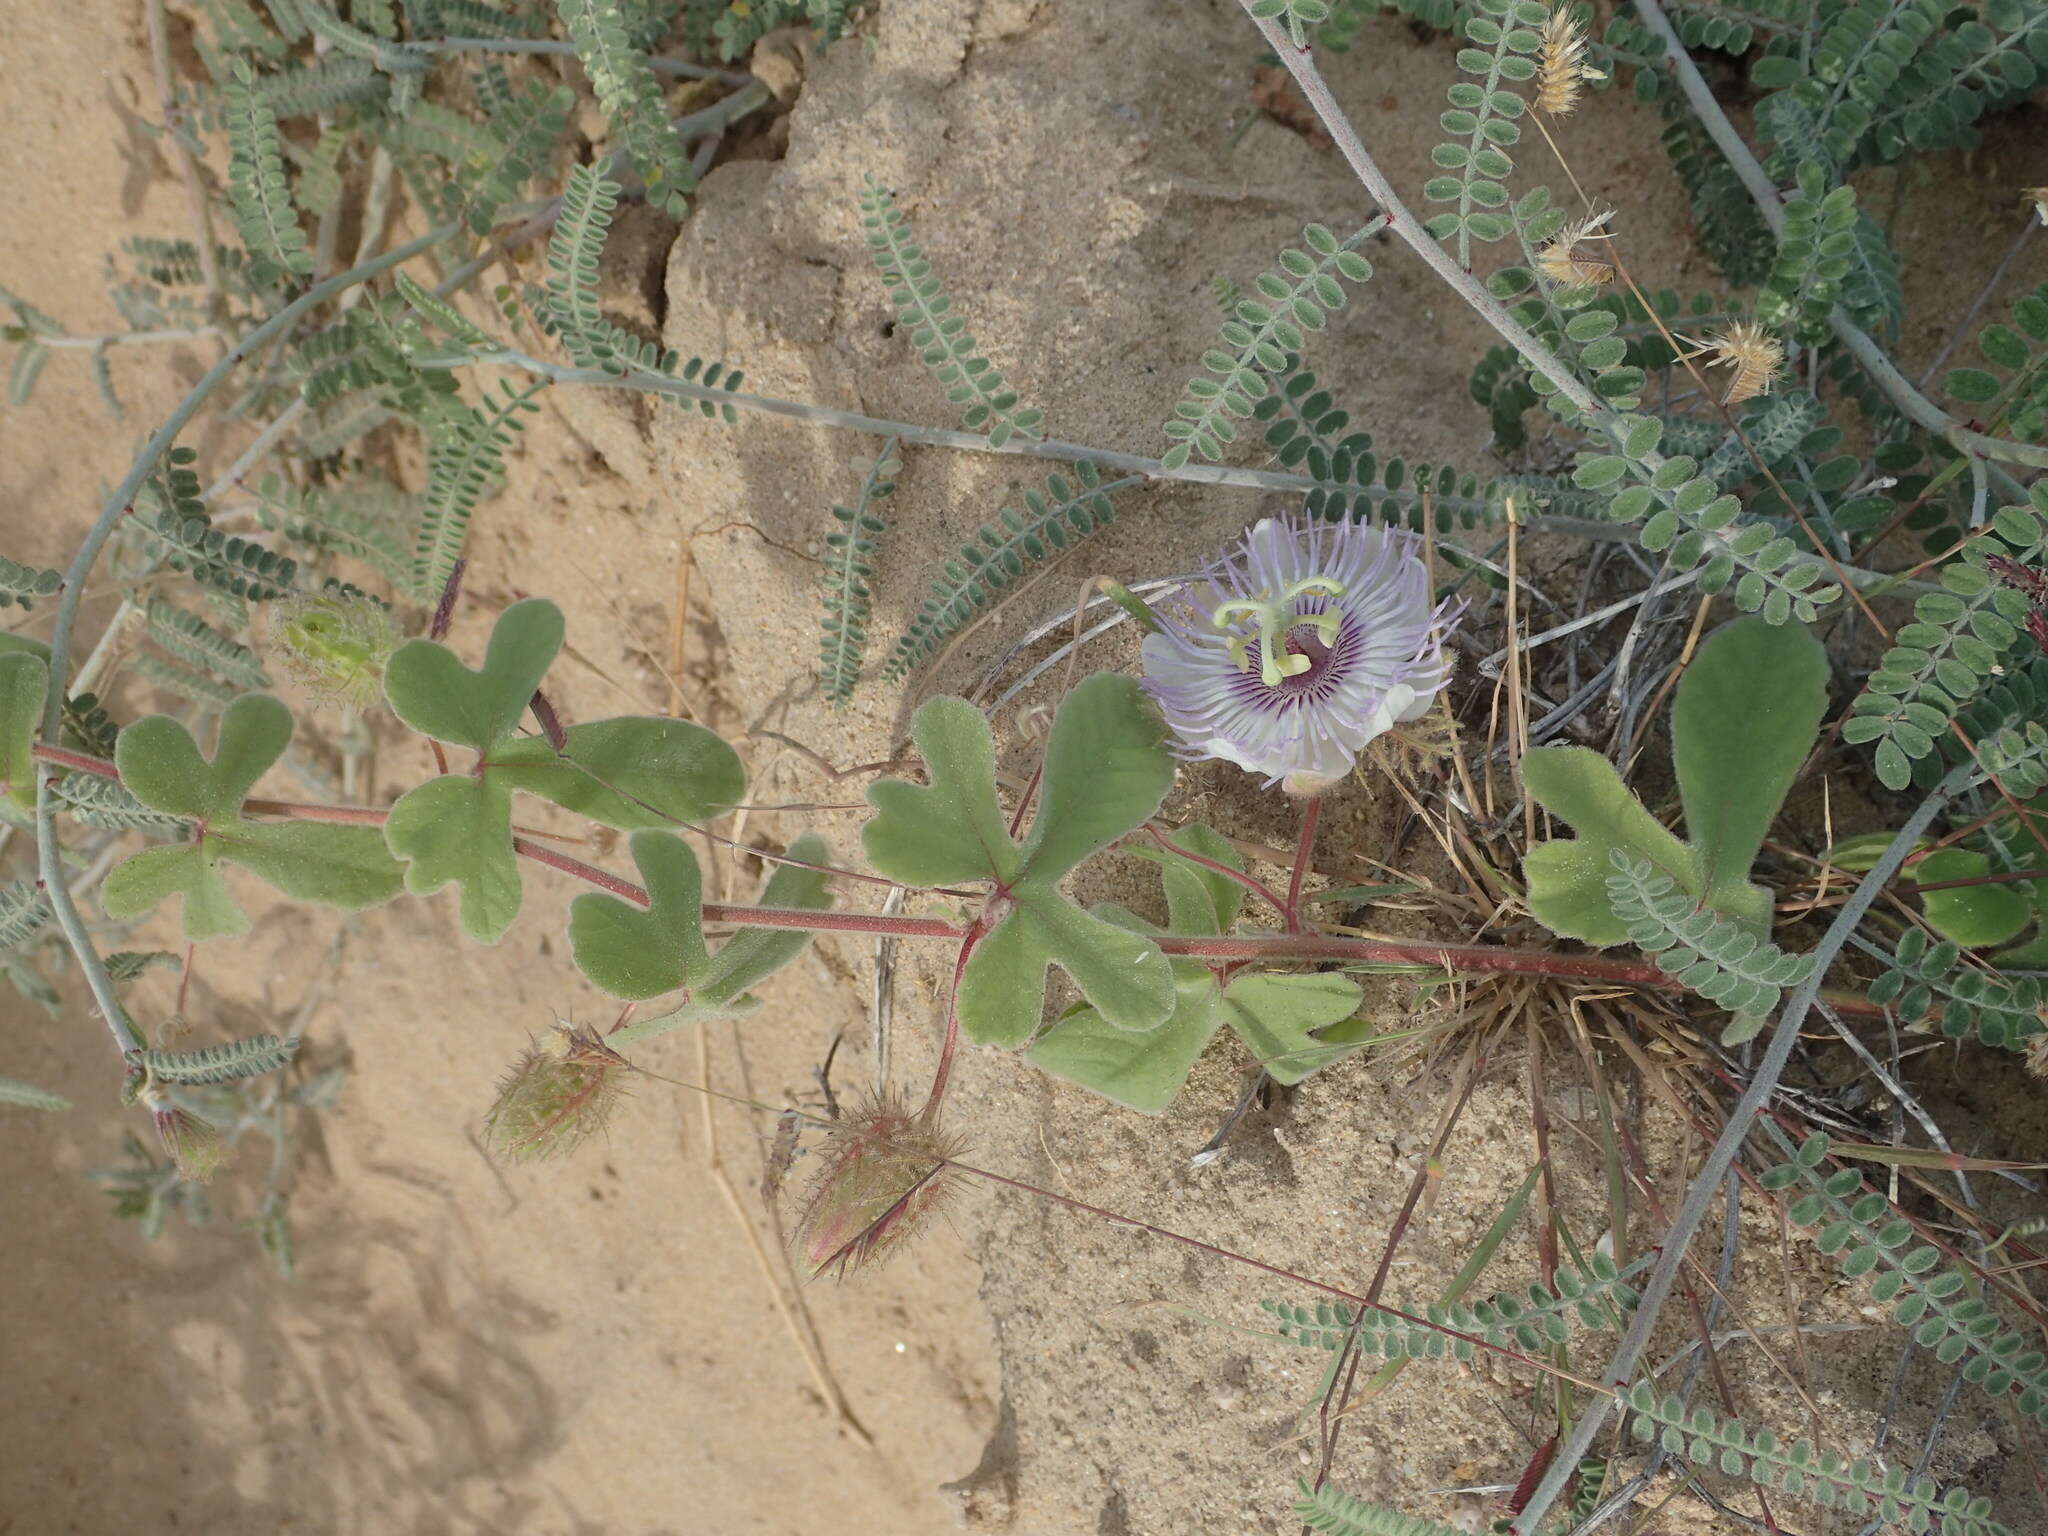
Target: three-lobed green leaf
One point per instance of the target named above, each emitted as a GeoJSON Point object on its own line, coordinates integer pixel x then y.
{"type": "Point", "coordinates": [1106, 771]}
{"type": "Point", "coordinates": [162, 766]}
{"type": "Point", "coordinates": [638, 953]}
{"type": "Point", "coordinates": [632, 773]}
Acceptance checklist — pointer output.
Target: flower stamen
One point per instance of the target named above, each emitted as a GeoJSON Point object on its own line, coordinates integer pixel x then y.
{"type": "Point", "coordinates": [1273, 619]}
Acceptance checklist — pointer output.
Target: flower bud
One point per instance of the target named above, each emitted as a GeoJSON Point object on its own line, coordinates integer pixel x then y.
{"type": "Point", "coordinates": [885, 1179]}
{"type": "Point", "coordinates": [336, 643]}
{"type": "Point", "coordinates": [557, 1094]}
{"type": "Point", "coordinates": [192, 1143]}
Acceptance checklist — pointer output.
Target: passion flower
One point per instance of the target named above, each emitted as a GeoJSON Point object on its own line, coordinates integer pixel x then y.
{"type": "Point", "coordinates": [1298, 647]}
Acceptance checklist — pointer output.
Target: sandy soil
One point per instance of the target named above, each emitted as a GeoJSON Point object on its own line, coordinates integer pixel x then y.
{"type": "Point", "coordinates": [592, 1347]}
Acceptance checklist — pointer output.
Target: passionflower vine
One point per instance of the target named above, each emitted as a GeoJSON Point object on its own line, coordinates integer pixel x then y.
{"type": "Point", "coordinates": [1295, 649]}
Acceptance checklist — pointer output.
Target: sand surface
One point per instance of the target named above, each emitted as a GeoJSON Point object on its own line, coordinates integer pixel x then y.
{"type": "Point", "coordinates": [592, 1347]}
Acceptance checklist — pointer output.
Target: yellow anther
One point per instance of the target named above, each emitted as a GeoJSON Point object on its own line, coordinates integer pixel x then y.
{"type": "Point", "coordinates": [1272, 620]}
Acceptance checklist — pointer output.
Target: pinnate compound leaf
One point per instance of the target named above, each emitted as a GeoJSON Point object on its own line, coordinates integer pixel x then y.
{"type": "Point", "coordinates": [1567, 878]}
{"type": "Point", "coordinates": [1106, 770]}
{"type": "Point", "coordinates": [635, 952]}
{"type": "Point", "coordinates": [24, 683]}
{"type": "Point", "coordinates": [161, 765]}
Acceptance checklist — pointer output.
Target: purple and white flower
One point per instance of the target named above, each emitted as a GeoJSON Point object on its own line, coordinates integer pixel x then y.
{"type": "Point", "coordinates": [1297, 648]}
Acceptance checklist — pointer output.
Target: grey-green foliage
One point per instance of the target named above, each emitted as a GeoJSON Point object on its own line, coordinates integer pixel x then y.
{"type": "Point", "coordinates": [265, 216]}
{"type": "Point", "coordinates": [1923, 976]}
{"type": "Point", "coordinates": [28, 1096]}
{"type": "Point", "coordinates": [464, 459]}
{"type": "Point", "coordinates": [631, 95]}
{"type": "Point", "coordinates": [24, 914]}
{"type": "Point", "coordinates": [23, 584]}
{"type": "Point", "coordinates": [940, 335]}
{"type": "Point", "coordinates": [1704, 950]}
{"type": "Point", "coordinates": [1305, 429]}
{"type": "Point", "coordinates": [1066, 512]}
{"type": "Point", "coordinates": [1862, 1489]}
{"type": "Point", "coordinates": [1730, 228]}
{"type": "Point", "coordinates": [1532, 1319]}
{"type": "Point", "coordinates": [2014, 389]}
{"type": "Point", "coordinates": [1957, 642]}
{"type": "Point", "coordinates": [1687, 514]}
{"type": "Point", "coordinates": [742, 23]}
{"type": "Point", "coordinates": [1943, 1303]}
{"type": "Point", "coordinates": [1816, 251]}
{"type": "Point", "coordinates": [1483, 123]}
{"type": "Point", "coordinates": [105, 803]}
{"type": "Point", "coordinates": [224, 1063]}
{"type": "Point", "coordinates": [527, 128]}
{"type": "Point", "coordinates": [849, 555]}
{"type": "Point", "coordinates": [1877, 80]}
{"type": "Point", "coordinates": [1301, 17]}
{"type": "Point", "coordinates": [1336, 1513]}
{"type": "Point", "coordinates": [1258, 337]}
{"type": "Point", "coordinates": [171, 508]}
{"type": "Point", "coordinates": [192, 640]}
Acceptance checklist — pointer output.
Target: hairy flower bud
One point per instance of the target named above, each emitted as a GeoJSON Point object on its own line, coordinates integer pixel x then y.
{"type": "Point", "coordinates": [887, 1176]}
{"type": "Point", "coordinates": [192, 1143]}
{"type": "Point", "coordinates": [558, 1093]}
{"type": "Point", "coordinates": [336, 643]}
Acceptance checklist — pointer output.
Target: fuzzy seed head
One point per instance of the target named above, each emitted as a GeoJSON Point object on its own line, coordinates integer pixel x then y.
{"type": "Point", "coordinates": [1566, 260]}
{"type": "Point", "coordinates": [1756, 356]}
{"type": "Point", "coordinates": [2036, 199]}
{"type": "Point", "coordinates": [883, 1182]}
{"type": "Point", "coordinates": [558, 1094]}
{"type": "Point", "coordinates": [336, 643]}
{"type": "Point", "coordinates": [192, 1143]}
{"type": "Point", "coordinates": [1562, 68]}
{"type": "Point", "coordinates": [2037, 1054]}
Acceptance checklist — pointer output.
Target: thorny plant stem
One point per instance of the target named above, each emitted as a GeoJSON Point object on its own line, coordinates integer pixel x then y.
{"type": "Point", "coordinates": [1896, 386]}
{"type": "Point", "coordinates": [1706, 1185]}
{"type": "Point", "coordinates": [1480, 958]}
{"type": "Point", "coordinates": [50, 866]}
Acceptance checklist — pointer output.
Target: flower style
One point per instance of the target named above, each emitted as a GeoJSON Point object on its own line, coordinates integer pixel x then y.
{"type": "Point", "coordinates": [1295, 650]}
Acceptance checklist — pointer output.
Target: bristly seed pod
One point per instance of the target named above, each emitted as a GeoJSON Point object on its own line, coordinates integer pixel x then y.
{"type": "Point", "coordinates": [1753, 352]}
{"type": "Point", "coordinates": [192, 1143]}
{"type": "Point", "coordinates": [1563, 262]}
{"type": "Point", "coordinates": [557, 1095]}
{"type": "Point", "coordinates": [2036, 198]}
{"type": "Point", "coordinates": [2037, 1054]}
{"type": "Point", "coordinates": [1562, 68]}
{"type": "Point", "coordinates": [336, 643]}
{"type": "Point", "coordinates": [887, 1176]}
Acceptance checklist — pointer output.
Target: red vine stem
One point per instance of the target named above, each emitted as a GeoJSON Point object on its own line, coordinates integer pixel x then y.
{"type": "Point", "coordinates": [1481, 958]}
